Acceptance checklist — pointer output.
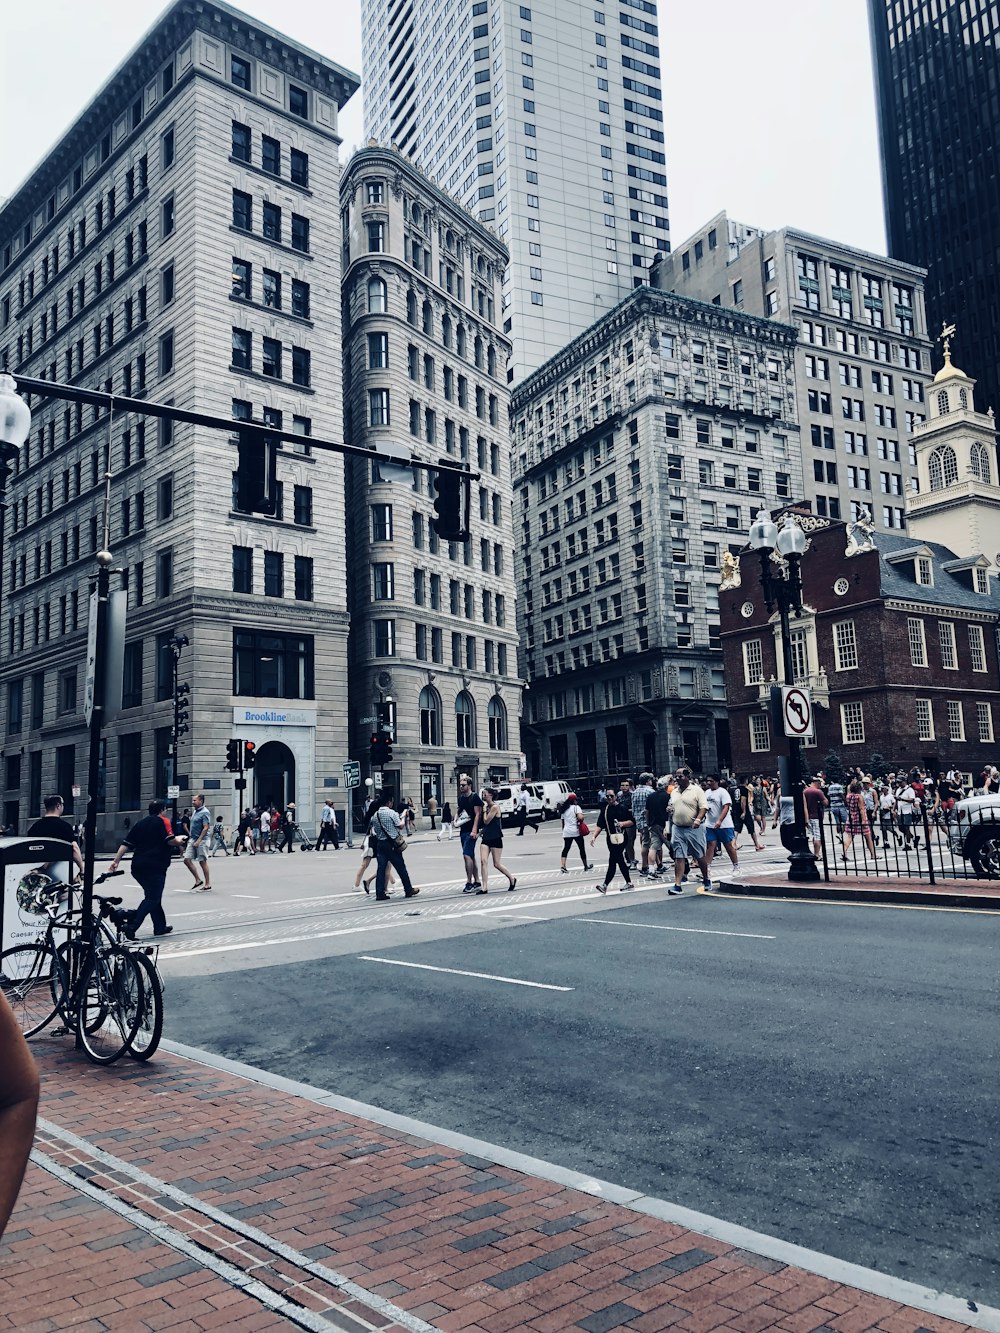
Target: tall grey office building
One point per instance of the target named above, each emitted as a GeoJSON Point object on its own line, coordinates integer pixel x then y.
{"type": "Point", "coordinates": [936, 69]}
{"type": "Point", "coordinates": [546, 121]}
{"type": "Point", "coordinates": [181, 243]}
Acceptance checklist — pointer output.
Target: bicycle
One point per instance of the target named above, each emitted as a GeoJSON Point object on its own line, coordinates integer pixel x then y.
{"type": "Point", "coordinates": [103, 987]}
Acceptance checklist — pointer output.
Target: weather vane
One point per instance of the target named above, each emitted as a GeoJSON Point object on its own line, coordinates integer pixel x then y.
{"type": "Point", "coordinates": [945, 337]}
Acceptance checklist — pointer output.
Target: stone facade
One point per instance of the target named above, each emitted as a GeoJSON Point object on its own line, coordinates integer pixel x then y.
{"type": "Point", "coordinates": [433, 629]}
{"type": "Point", "coordinates": [862, 363]}
{"type": "Point", "coordinates": [641, 454]}
{"type": "Point", "coordinates": [182, 242]}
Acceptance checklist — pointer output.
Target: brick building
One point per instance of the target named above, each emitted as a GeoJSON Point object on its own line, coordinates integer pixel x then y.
{"type": "Point", "coordinates": [897, 641]}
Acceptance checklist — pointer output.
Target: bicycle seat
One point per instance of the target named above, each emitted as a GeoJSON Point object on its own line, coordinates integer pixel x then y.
{"type": "Point", "coordinates": [108, 902]}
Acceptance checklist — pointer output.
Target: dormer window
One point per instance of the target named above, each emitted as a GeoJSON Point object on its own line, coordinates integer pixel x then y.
{"type": "Point", "coordinates": [982, 579]}
{"type": "Point", "coordinates": [925, 571]}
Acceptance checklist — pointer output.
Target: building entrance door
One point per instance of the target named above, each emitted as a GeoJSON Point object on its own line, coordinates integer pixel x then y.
{"type": "Point", "coordinates": [274, 775]}
{"type": "Point", "coordinates": [691, 743]}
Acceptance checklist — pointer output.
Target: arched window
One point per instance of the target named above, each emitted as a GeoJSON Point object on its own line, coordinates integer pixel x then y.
{"type": "Point", "coordinates": [376, 296]}
{"type": "Point", "coordinates": [428, 318]}
{"type": "Point", "coordinates": [497, 714]}
{"type": "Point", "coordinates": [465, 721]}
{"type": "Point", "coordinates": [979, 462]}
{"type": "Point", "coordinates": [944, 407]}
{"type": "Point", "coordinates": [411, 308]}
{"type": "Point", "coordinates": [491, 359]}
{"type": "Point", "coordinates": [430, 717]}
{"type": "Point", "coordinates": [943, 467]}
{"type": "Point", "coordinates": [478, 351]}
{"type": "Point", "coordinates": [963, 399]}
{"type": "Point", "coordinates": [446, 332]}
{"type": "Point", "coordinates": [461, 340]}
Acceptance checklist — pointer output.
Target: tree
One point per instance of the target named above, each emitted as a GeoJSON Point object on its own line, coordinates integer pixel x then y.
{"type": "Point", "coordinates": [833, 768]}
{"type": "Point", "coordinates": [878, 765]}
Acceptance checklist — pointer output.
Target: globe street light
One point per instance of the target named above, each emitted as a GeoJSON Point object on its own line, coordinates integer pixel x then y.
{"type": "Point", "coordinates": [784, 591]}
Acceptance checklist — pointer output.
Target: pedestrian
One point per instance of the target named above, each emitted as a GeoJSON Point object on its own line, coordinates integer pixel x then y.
{"type": "Point", "coordinates": [760, 803]}
{"type": "Point", "coordinates": [689, 810]}
{"type": "Point", "coordinates": [522, 811]}
{"type": "Point", "coordinates": [624, 799]}
{"type": "Point", "coordinates": [265, 830]}
{"type": "Point", "coordinates": [857, 819]}
{"type": "Point", "coordinates": [184, 824]}
{"type": "Point", "coordinates": [887, 814]}
{"type": "Point", "coordinates": [432, 809]}
{"type": "Point", "coordinates": [720, 828]}
{"type": "Point", "coordinates": [52, 825]}
{"type": "Point", "coordinates": [447, 824]}
{"type": "Point", "coordinates": [491, 841]}
{"type": "Point", "coordinates": [908, 813]}
{"type": "Point", "coordinates": [328, 831]}
{"type": "Point", "coordinates": [150, 842]}
{"type": "Point", "coordinates": [288, 829]}
{"type": "Point", "coordinates": [470, 814]}
{"type": "Point", "coordinates": [218, 843]}
{"type": "Point", "coordinates": [743, 814]}
{"type": "Point", "coordinates": [640, 796]}
{"type": "Point", "coordinates": [838, 806]}
{"type": "Point", "coordinates": [815, 803]}
{"type": "Point", "coordinates": [19, 1091]}
{"type": "Point", "coordinates": [574, 829]}
{"type": "Point", "coordinates": [368, 853]}
{"type": "Point", "coordinates": [611, 821]}
{"type": "Point", "coordinates": [197, 847]}
{"type": "Point", "coordinates": [657, 816]}
{"type": "Point", "coordinates": [388, 830]}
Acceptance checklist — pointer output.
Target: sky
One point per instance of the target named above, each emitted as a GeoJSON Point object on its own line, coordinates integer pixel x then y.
{"type": "Point", "coordinates": [769, 104]}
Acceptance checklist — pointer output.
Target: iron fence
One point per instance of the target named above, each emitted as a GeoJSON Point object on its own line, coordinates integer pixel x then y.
{"type": "Point", "coordinates": [936, 846]}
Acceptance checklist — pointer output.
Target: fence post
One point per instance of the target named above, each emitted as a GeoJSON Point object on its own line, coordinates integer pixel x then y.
{"type": "Point", "coordinates": [927, 842]}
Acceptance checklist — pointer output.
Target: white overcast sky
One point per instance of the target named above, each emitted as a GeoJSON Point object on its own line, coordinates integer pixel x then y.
{"type": "Point", "coordinates": [768, 103]}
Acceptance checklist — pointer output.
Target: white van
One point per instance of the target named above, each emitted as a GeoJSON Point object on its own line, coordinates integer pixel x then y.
{"type": "Point", "coordinates": [551, 795]}
{"type": "Point", "coordinates": [507, 798]}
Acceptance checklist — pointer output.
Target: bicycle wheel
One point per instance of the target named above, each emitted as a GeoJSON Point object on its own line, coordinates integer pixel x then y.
{"type": "Point", "coordinates": [33, 982]}
{"type": "Point", "coordinates": [109, 1005]}
{"type": "Point", "coordinates": [150, 1025]}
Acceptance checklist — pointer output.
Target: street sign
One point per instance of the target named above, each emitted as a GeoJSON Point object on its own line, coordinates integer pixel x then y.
{"type": "Point", "coordinates": [796, 710]}
{"type": "Point", "coordinates": [377, 781]}
{"type": "Point", "coordinates": [75, 789]}
{"type": "Point", "coordinates": [91, 668]}
{"type": "Point", "coordinates": [352, 774]}
{"type": "Point", "coordinates": [173, 792]}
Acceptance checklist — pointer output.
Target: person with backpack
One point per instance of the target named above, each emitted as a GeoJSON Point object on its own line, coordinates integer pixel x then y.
{"type": "Point", "coordinates": [574, 829]}
{"type": "Point", "coordinates": [388, 831]}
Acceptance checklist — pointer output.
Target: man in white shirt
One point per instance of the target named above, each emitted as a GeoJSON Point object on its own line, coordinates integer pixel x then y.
{"type": "Point", "coordinates": [328, 831]}
{"type": "Point", "coordinates": [719, 827]}
{"type": "Point", "coordinates": [265, 830]}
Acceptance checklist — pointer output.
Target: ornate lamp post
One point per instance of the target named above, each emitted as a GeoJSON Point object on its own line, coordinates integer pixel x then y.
{"type": "Point", "coordinates": [784, 591]}
{"type": "Point", "coordinates": [15, 422]}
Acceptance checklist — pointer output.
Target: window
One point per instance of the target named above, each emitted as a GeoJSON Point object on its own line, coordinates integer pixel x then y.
{"type": "Point", "coordinates": [753, 664]}
{"type": "Point", "coordinates": [272, 666]}
{"type": "Point", "coordinates": [378, 407]}
{"type": "Point", "coordinates": [376, 296]}
{"type": "Point", "coordinates": [167, 217]}
{"type": "Point", "coordinates": [949, 654]}
{"type": "Point", "coordinates": [984, 722]}
{"type": "Point", "coordinates": [271, 289]}
{"type": "Point", "coordinates": [241, 142]}
{"type": "Point", "coordinates": [383, 581]}
{"type": "Point", "coordinates": [300, 298]}
{"type": "Point", "coordinates": [376, 238]}
{"type": "Point", "coordinates": [918, 645]}
{"type": "Point", "coordinates": [272, 222]}
{"type": "Point", "coordinates": [166, 347]}
{"type": "Point", "coordinates": [956, 720]}
{"type": "Point", "coordinates": [845, 645]}
{"type": "Point", "coordinates": [242, 569]}
{"type": "Point", "coordinates": [300, 168]}
{"type": "Point", "coordinates": [302, 367]}
{"type": "Point", "coordinates": [167, 285]}
{"type": "Point", "coordinates": [242, 211]}
{"type": "Point", "coordinates": [382, 523]}
{"type": "Point", "coordinates": [271, 358]}
{"type": "Point", "coordinates": [852, 723]}
{"type": "Point", "coordinates": [165, 572]}
{"type": "Point", "coordinates": [300, 234]}
{"type": "Point", "coordinates": [165, 498]}
{"type": "Point", "coordinates": [943, 468]}
{"type": "Point", "coordinates": [760, 738]}
{"type": "Point", "coordinates": [270, 155]}
{"type": "Point", "coordinates": [430, 716]}
{"type": "Point", "coordinates": [130, 771]}
{"type": "Point", "coordinates": [239, 72]}
{"type": "Point", "coordinates": [298, 101]}
{"type": "Point", "coordinates": [925, 719]}
{"type": "Point", "coordinates": [303, 578]}
{"type": "Point", "coordinates": [385, 637]}
{"type": "Point", "coordinates": [464, 721]}
{"type": "Point", "coordinates": [274, 574]}
{"type": "Point", "coordinates": [303, 506]}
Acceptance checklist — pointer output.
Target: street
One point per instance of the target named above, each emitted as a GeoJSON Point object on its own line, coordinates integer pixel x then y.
{"type": "Point", "coordinates": [819, 1073]}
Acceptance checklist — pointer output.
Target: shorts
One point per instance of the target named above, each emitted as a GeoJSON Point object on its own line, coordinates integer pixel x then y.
{"type": "Point", "coordinates": [688, 843]}
{"type": "Point", "coordinates": [652, 838]}
{"type": "Point", "coordinates": [814, 829]}
{"type": "Point", "coordinates": [468, 845]}
{"type": "Point", "coordinates": [199, 853]}
{"type": "Point", "coordinates": [723, 835]}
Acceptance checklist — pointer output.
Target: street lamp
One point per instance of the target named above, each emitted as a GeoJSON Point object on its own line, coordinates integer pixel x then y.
{"type": "Point", "coordinates": [15, 422]}
{"type": "Point", "coordinates": [784, 591]}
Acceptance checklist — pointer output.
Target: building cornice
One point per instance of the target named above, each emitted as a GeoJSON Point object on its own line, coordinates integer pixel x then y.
{"type": "Point", "coordinates": [990, 614]}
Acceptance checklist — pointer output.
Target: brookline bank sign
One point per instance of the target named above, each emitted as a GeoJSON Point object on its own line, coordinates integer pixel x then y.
{"type": "Point", "coordinates": [274, 717]}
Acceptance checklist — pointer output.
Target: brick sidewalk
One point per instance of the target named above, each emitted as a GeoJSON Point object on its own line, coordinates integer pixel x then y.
{"type": "Point", "coordinates": [245, 1207]}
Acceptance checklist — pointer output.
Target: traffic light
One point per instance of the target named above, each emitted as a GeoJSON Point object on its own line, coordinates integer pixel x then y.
{"type": "Point", "coordinates": [257, 472]}
{"type": "Point", "coordinates": [181, 701]}
{"type": "Point", "coordinates": [381, 750]}
{"type": "Point", "coordinates": [249, 754]}
{"type": "Point", "coordinates": [233, 756]}
{"type": "Point", "coordinates": [451, 502]}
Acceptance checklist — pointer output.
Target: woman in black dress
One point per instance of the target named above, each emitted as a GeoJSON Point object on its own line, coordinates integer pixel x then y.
{"type": "Point", "coordinates": [491, 841]}
{"type": "Point", "coordinates": [612, 820]}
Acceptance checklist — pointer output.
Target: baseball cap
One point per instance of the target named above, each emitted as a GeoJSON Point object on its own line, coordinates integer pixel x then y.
{"type": "Point", "coordinates": [572, 796]}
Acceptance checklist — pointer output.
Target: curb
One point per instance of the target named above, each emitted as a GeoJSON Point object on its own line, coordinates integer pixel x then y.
{"type": "Point", "coordinates": [885, 896]}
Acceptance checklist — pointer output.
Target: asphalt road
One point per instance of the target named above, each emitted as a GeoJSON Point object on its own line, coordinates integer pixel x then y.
{"type": "Point", "coordinates": [833, 1083]}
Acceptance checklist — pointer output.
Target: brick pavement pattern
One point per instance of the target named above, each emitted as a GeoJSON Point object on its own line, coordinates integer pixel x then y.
{"type": "Point", "coordinates": [457, 1241]}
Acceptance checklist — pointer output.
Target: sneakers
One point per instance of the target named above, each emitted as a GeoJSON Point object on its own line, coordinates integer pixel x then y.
{"type": "Point", "coordinates": [706, 884]}
{"type": "Point", "coordinates": [165, 931]}
{"type": "Point", "coordinates": [646, 874]}
{"type": "Point", "coordinates": [676, 888]}
{"type": "Point", "coordinates": [470, 888]}
{"type": "Point", "coordinates": [564, 871]}
{"type": "Point", "coordinates": [601, 888]}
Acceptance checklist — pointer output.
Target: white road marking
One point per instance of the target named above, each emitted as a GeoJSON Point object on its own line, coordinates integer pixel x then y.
{"type": "Point", "coordinates": [205, 911]}
{"type": "Point", "coordinates": [684, 930]}
{"type": "Point", "coordinates": [244, 895]}
{"type": "Point", "coordinates": [545, 902]}
{"type": "Point", "coordinates": [457, 972]}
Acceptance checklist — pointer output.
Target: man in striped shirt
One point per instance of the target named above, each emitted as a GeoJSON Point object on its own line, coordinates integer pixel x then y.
{"type": "Point", "coordinates": [640, 796]}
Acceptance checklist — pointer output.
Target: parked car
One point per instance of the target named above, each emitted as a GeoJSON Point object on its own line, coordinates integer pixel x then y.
{"type": "Point", "coordinates": [507, 799]}
{"type": "Point", "coordinates": [551, 795]}
{"type": "Point", "coordinates": [974, 831]}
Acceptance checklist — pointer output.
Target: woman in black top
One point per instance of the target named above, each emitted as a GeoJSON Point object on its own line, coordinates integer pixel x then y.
{"type": "Point", "coordinates": [150, 842]}
{"type": "Point", "coordinates": [612, 821]}
{"type": "Point", "coordinates": [491, 841]}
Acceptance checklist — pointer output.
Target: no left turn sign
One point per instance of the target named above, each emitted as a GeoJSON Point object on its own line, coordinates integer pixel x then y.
{"type": "Point", "coordinates": [796, 710]}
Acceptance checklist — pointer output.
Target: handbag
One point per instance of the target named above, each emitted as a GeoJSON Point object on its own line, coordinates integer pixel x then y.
{"type": "Point", "coordinates": [584, 828]}
{"type": "Point", "coordinates": [616, 839]}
